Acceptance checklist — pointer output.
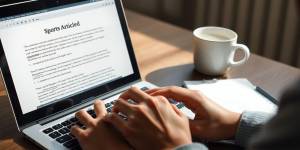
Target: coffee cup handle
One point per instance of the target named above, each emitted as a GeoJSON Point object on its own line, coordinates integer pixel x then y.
{"type": "Point", "coordinates": [246, 51]}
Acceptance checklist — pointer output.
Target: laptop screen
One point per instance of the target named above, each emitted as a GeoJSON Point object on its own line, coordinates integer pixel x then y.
{"type": "Point", "coordinates": [57, 53]}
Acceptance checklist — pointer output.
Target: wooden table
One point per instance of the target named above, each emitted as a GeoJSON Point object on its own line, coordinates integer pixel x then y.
{"type": "Point", "coordinates": [164, 54]}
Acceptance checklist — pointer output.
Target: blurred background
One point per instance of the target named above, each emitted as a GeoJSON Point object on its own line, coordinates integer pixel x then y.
{"type": "Point", "coordinates": [271, 28]}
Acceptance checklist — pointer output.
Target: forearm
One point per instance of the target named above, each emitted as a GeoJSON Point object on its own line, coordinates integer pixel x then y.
{"type": "Point", "coordinates": [250, 123]}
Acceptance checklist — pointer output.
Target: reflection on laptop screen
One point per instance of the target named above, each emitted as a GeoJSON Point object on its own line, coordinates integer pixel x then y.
{"type": "Point", "coordinates": [61, 52]}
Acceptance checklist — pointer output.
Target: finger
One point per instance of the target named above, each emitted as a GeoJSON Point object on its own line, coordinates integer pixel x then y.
{"type": "Point", "coordinates": [85, 118]}
{"type": "Point", "coordinates": [177, 110]}
{"type": "Point", "coordinates": [135, 94]}
{"type": "Point", "coordinates": [153, 90]}
{"type": "Point", "coordinates": [124, 107]}
{"type": "Point", "coordinates": [116, 121]}
{"type": "Point", "coordinates": [180, 95]}
{"type": "Point", "coordinates": [167, 105]}
{"type": "Point", "coordinates": [77, 132]}
{"type": "Point", "coordinates": [99, 109]}
{"type": "Point", "coordinates": [168, 93]}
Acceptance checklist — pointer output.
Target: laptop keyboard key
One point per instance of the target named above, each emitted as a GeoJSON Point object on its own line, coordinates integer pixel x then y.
{"type": "Point", "coordinates": [64, 131]}
{"type": "Point", "coordinates": [180, 105]}
{"type": "Point", "coordinates": [58, 126]}
{"type": "Point", "coordinates": [113, 102]}
{"type": "Point", "coordinates": [94, 115]}
{"type": "Point", "coordinates": [144, 88]}
{"type": "Point", "coordinates": [71, 143]}
{"type": "Point", "coordinates": [70, 126]}
{"type": "Point", "coordinates": [79, 124]}
{"type": "Point", "coordinates": [64, 138]}
{"type": "Point", "coordinates": [73, 119]}
{"type": "Point", "coordinates": [71, 135]}
{"type": "Point", "coordinates": [91, 111]}
{"type": "Point", "coordinates": [108, 105]}
{"type": "Point", "coordinates": [55, 135]}
{"type": "Point", "coordinates": [66, 123]}
{"type": "Point", "coordinates": [47, 131]}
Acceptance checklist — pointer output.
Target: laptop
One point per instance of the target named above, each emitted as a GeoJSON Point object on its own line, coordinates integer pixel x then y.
{"type": "Point", "coordinates": [58, 57]}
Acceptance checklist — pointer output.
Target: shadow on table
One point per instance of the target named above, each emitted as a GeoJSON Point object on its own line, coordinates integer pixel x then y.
{"type": "Point", "coordinates": [175, 75]}
{"type": "Point", "coordinates": [164, 32]}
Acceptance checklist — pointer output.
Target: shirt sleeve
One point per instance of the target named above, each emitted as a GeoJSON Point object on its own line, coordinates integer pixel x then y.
{"type": "Point", "coordinates": [193, 146]}
{"type": "Point", "coordinates": [283, 130]}
{"type": "Point", "coordinates": [250, 123]}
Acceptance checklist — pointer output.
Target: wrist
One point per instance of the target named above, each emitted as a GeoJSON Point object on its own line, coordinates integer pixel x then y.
{"type": "Point", "coordinates": [183, 140]}
{"type": "Point", "coordinates": [175, 146]}
{"type": "Point", "coordinates": [233, 123]}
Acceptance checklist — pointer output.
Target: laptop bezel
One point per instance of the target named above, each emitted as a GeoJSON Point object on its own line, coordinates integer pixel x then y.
{"type": "Point", "coordinates": [85, 97]}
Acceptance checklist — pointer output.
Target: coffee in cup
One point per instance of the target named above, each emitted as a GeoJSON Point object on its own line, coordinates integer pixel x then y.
{"type": "Point", "coordinates": [215, 48]}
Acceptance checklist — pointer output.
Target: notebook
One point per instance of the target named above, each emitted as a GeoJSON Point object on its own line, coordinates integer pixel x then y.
{"type": "Point", "coordinates": [237, 95]}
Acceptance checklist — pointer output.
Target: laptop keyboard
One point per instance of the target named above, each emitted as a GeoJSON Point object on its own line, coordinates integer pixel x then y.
{"type": "Point", "coordinates": [61, 132]}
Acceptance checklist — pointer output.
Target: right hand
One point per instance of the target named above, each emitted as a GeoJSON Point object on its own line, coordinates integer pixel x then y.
{"type": "Point", "coordinates": [152, 122]}
{"type": "Point", "coordinates": [212, 122]}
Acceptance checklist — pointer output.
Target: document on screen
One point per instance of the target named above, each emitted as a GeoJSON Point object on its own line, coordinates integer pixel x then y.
{"type": "Point", "coordinates": [54, 58]}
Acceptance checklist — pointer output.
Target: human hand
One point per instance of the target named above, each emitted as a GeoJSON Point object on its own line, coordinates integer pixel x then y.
{"type": "Point", "coordinates": [97, 134]}
{"type": "Point", "coordinates": [152, 122]}
{"type": "Point", "coordinates": [212, 122]}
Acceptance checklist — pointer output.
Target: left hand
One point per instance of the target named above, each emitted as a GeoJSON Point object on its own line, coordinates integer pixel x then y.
{"type": "Point", "coordinates": [153, 123]}
{"type": "Point", "coordinates": [97, 134]}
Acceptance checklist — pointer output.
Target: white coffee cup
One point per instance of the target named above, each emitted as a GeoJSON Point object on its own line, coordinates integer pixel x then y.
{"type": "Point", "coordinates": [215, 48]}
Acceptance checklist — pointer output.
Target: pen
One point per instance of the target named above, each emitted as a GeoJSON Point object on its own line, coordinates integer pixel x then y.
{"type": "Point", "coordinates": [267, 95]}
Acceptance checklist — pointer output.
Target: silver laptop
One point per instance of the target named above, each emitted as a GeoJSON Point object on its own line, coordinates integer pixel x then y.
{"type": "Point", "coordinates": [57, 57]}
